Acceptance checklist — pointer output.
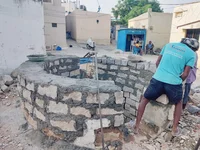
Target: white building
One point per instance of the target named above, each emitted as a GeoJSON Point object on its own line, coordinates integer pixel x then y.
{"type": "Point", "coordinates": [54, 21]}
{"type": "Point", "coordinates": [70, 6]}
{"type": "Point", "coordinates": [21, 32]}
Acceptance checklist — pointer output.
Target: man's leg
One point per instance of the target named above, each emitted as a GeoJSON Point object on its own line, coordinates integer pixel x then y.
{"type": "Point", "coordinates": [140, 112]}
{"type": "Point", "coordinates": [186, 94]}
{"type": "Point", "coordinates": [177, 116]}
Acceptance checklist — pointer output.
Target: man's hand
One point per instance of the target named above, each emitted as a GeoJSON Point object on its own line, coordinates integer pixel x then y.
{"type": "Point", "coordinates": [185, 73]}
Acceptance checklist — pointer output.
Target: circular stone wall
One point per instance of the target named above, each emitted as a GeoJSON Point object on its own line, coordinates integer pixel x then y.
{"type": "Point", "coordinates": [66, 108]}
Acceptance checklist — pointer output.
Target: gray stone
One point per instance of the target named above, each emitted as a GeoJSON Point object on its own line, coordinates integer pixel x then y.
{"type": "Point", "coordinates": [122, 75]}
{"type": "Point", "coordinates": [54, 70]}
{"type": "Point", "coordinates": [57, 108]}
{"type": "Point", "coordinates": [117, 61]}
{"type": "Point", "coordinates": [127, 89]}
{"type": "Point", "coordinates": [14, 74]}
{"type": "Point", "coordinates": [134, 71]}
{"type": "Point", "coordinates": [22, 82]}
{"type": "Point", "coordinates": [132, 77]}
{"type": "Point", "coordinates": [69, 60]}
{"type": "Point", "coordinates": [133, 97]}
{"type": "Point", "coordinates": [7, 80]}
{"type": "Point", "coordinates": [139, 94]}
{"type": "Point", "coordinates": [80, 111]}
{"type": "Point", "coordinates": [99, 60]}
{"type": "Point", "coordinates": [30, 86]}
{"type": "Point", "coordinates": [62, 68]}
{"type": "Point", "coordinates": [140, 66]}
{"type": "Point", "coordinates": [4, 88]}
{"type": "Point", "coordinates": [130, 102]}
{"type": "Point", "coordinates": [113, 67]}
{"type": "Point", "coordinates": [39, 115]}
{"type": "Point", "coordinates": [27, 95]}
{"type": "Point", "coordinates": [127, 94]}
{"type": "Point", "coordinates": [124, 62]}
{"type": "Point", "coordinates": [112, 73]}
{"type": "Point", "coordinates": [119, 97]}
{"type": "Point", "coordinates": [124, 68]}
{"type": "Point", "coordinates": [119, 120]}
{"type": "Point", "coordinates": [119, 80]}
{"type": "Point", "coordinates": [141, 80]}
{"type": "Point", "coordinates": [50, 91]}
{"type": "Point", "coordinates": [75, 73]}
{"type": "Point", "coordinates": [39, 102]}
{"type": "Point", "coordinates": [152, 67]}
{"type": "Point", "coordinates": [76, 96]}
{"type": "Point", "coordinates": [132, 64]}
{"type": "Point", "coordinates": [102, 66]}
{"type": "Point", "coordinates": [104, 59]}
{"type": "Point", "coordinates": [110, 61]}
{"type": "Point", "coordinates": [65, 74]}
{"type": "Point", "coordinates": [56, 62]}
{"type": "Point", "coordinates": [139, 86]}
{"type": "Point", "coordinates": [100, 71]}
{"type": "Point", "coordinates": [109, 111]}
{"type": "Point", "coordinates": [63, 125]}
{"type": "Point", "coordinates": [28, 106]}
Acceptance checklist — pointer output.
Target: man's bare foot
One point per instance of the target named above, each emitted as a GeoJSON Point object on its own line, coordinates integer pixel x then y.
{"type": "Point", "coordinates": [177, 132]}
{"type": "Point", "coordinates": [135, 130]}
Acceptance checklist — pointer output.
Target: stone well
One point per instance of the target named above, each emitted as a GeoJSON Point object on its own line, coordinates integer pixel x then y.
{"type": "Point", "coordinates": [66, 108]}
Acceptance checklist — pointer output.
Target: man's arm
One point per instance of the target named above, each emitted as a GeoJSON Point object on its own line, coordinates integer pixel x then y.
{"type": "Point", "coordinates": [185, 73]}
{"type": "Point", "coordinates": [158, 60]}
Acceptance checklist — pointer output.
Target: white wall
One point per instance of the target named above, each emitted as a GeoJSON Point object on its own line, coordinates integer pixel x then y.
{"type": "Point", "coordinates": [21, 32]}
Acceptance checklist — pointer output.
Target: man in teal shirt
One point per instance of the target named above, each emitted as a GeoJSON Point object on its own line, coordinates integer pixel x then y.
{"type": "Point", "coordinates": [173, 66]}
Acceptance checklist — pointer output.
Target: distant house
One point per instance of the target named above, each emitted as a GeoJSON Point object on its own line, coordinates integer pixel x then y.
{"type": "Point", "coordinates": [21, 32]}
{"type": "Point", "coordinates": [186, 22]}
{"type": "Point", "coordinates": [83, 25]}
{"type": "Point", "coordinates": [54, 23]}
{"type": "Point", "coordinates": [157, 25]}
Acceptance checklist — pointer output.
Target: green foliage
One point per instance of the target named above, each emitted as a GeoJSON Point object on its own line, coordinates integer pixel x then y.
{"type": "Point", "coordinates": [127, 9]}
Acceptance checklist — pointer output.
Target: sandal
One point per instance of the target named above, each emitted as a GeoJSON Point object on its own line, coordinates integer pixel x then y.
{"type": "Point", "coordinates": [177, 133]}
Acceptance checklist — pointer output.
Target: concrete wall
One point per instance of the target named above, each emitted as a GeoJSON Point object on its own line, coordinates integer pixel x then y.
{"type": "Point", "coordinates": [158, 26]}
{"type": "Point", "coordinates": [86, 26]}
{"type": "Point", "coordinates": [69, 7]}
{"type": "Point", "coordinates": [21, 32]}
{"type": "Point", "coordinates": [54, 13]}
{"type": "Point", "coordinates": [189, 14]}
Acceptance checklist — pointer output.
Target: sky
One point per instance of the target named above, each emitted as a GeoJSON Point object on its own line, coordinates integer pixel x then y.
{"type": "Point", "coordinates": [107, 5]}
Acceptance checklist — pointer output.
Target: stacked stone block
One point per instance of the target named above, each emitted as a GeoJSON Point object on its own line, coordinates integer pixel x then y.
{"type": "Point", "coordinates": [63, 66]}
{"type": "Point", "coordinates": [131, 76]}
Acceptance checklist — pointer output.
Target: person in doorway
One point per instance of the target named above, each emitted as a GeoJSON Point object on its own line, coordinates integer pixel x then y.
{"type": "Point", "coordinates": [173, 67]}
{"type": "Point", "coordinates": [190, 79]}
{"type": "Point", "coordinates": [138, 49]}
{"type": "Point", "coordinates": [149, 47]}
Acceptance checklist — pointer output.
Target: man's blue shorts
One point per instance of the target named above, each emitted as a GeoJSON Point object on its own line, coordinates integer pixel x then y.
{"type": "Point", "coordinates": [157, 88]}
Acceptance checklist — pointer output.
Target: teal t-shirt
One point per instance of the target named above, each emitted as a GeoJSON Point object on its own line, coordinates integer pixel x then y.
{"type": "Point", "coordinates": [175, 56]}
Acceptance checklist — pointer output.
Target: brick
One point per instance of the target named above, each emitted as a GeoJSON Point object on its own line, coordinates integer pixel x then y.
{"type": "Point", "coordinates": [50, 91]}
{"type": "Point", "coordinates": [108, 111]}
{"type": "Point", "coordinates": [57, 108]}
{"type": "Point", "coordinates": [124, 68]}
{"type": "Point", "coordinates": [132, 77]}
{"type": "Point", "coordinates": [29, 107]}
{"type": "Point", "coordinates": [134, 71]}
{"type": "Point", "coordinates": [122, 75]}
{"type": "Point", "coordinates": [113, 67]}
{"type": "Point", "coordinates": [102, 66]}
{"type": "Point", "coordinates": [76, 96]}
{"type": "Point", "coordinates": [63, 125]}
{"type": "Point", "coordinates": [30, 86]}
{"type": "Point", "coordinates": [100, 71]}
{"type": "Point", "coordinates": [124, 62]}
{"type": "Point", "coordinates": [139, 86]}
{"type": "Point", "coordinates": [119, 97]}
{"type": "Point", "coordinates": [39, 115]}
{"type": "Point", "coordinates": [80, 111]}
{"type": "Point", "coordinates": [119, 80]}
{"type": "Point", "coordinates": [56, 62]}
{"type": "Point", "coordinates": [39, 102]}
{"type": "Point", "coordinates": [117, 61]}
{"type": "Point", "coordinates": [27, 95]}
{"type": "Point", "coordinates": [132, 64]}
{"type": "Point", "coordinates": [127, 94]}
{"type": "Point", "coordinates": [119, 120]}
{"type": "Point", "coordinates": [112, 73]}
{"type": "Point", "coordinates": [130, 102]}
{"type": "Point", "coordinates": [127, 89]}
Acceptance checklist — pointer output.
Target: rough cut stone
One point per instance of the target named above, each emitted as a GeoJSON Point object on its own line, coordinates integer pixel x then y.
{"type": "Point", "coordinates": [88, 139]}
{"type": "Point", "coordinates": [39, 102]}
{"type": "Point", "coordinates": [8, 80]}
{"type": "Point", "coordinates": [65, 74]}
{"type": "Point", "coordinates": [134, 71]}
{"type": "Point", "coordinates": [4, 88]}
{"type": "Point", "coordinates": [132, 64]}
{"type": "Point", "coordinates": [113, 67]}
{"type": "Point", "coordinates": [50, 91]}
{"type": "Point", "coordinates": [92, 98]}
{"type": "Point", "coordinates": [112, 73]}
{"type": "Point", "coordinates": [104, 60]}
{"type": "Point", "coordinates": [110, 61]}
{"type": "Point", "coordinates": [28, 107]}
{"type": "Point", "coordinates": [108, 111]}
{"type": "Point", "coordinates": [130, 102]}
{"type": "Point", "coordinates": [117, 61]}
{"type": "Point", "coordinates": [119, 80]}
{"type": "Point", "coordinates": [140, 66]}
{"type": "Point", "coordinates": [119, 120]}
{"type": "Point", "coordinates": [127, 89]}
{"type": "Point", "coordinates": [100, 71]}
{"type": "Point", "coordinates": [122, 75]}
{"type": "Point", "coordinates": [76, 96]}
{"type": "Point", "coordinates": [56, 62]}
{"type": "Point", "coordinates": [80, 111]}
{"type": "Point", "coordinates": [127, 94]}
{"type": "Point", "coordinates": [30, 86]}
{"type": "Point", "coordinates": [102, 66]}
{"type": "Point", "coordinates": [63, 68]}
{"type": "Point", "coordinates": [63, 125]}
{"type": "Point", "coordinates": [27, 95]}
{"type": "Point", "coordinates": [152, 68]}
{"type": "Point", "coordinates": [57, 108]}
{"type": "Point", "coordinates": [75, 73]}
{"type": "Point", "coordinates": [30, 120]}
{"type": "Point", "coordinates": [119, 97]}
{"type": "Point", "coordinates": [22, 82]}
{"type": "Point", "coordinates": [124, 68]}
{"type": "Point", "coordinates": [139, 86]}
{"type": "Point", "coordinates": [39, 115]}
{"type": "Point", "coordinates": [124, 62]}
{"type": "Point", "coordinates": [132, 77]}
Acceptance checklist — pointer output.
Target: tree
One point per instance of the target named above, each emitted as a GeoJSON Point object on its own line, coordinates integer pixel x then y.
{"type": "Point", "coordinates": [127, 9]}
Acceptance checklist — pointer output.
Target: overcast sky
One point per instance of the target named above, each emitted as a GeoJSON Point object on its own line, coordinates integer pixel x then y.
{"type": "Point", "coordinates": [106, 5]}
